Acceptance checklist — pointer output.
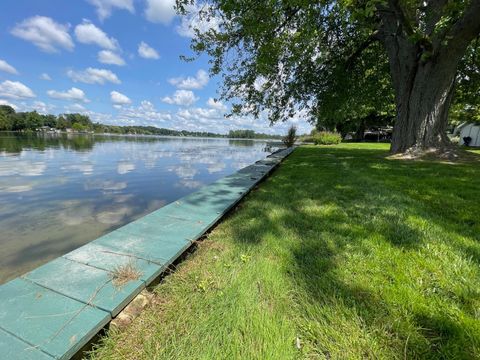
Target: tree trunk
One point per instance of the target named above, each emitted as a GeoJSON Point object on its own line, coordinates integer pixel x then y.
{"type": "Point", "coordinates": [423, 102]}
{"type": "Point", "coordinates": [423, 94]}
{"type": "Point", "coordinates": [360, 133]}
{"type": "Point", "coordinates": [423, 76]}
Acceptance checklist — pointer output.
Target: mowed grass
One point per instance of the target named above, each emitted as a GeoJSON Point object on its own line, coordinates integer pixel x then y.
{"type": "Point", "coordinates": [341, 254]}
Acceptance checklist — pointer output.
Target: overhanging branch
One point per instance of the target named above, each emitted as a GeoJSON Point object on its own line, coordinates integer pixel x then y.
{"type": "Point", "coordinates": [289, 16]}
{"type": "Point", "coordinates": [401, 17]}
{"type": "Point", "coordinates": [363, 46]}
{"type": "Point", "coordinates": [466, 28]}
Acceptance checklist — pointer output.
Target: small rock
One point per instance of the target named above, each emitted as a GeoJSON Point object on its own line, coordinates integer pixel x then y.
{"type": "Point", "coordinates": [132, 310]}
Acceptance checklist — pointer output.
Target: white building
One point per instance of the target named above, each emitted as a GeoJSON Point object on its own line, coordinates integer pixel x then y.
{"type": "Point", "coordinates": [469, 130]}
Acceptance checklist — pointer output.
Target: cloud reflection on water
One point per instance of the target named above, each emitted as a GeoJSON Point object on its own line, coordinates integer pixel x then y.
{"type": "Point", "coordinates": [114, 215]}
{"type": "Point", "coordinates": [85, 168]}
{"type": "Point", "coordinates": [189, 184]}
{"type": "Point", "coordinates": [124, 167]}
{"type": "Point", "coordinates": [107, 185]}
{"type": "Point", "coordinates": [183, 171]}
{"type": "Point", "coordinates": [76, 212]}
{"type": "Point", "coordinates": [22, 168]}
{"type": "Point", "coordinates": [213, 168]}
{"type": "Point", "coordinates": [16, 188]}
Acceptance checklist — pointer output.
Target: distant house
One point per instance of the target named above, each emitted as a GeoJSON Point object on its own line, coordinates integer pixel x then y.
{"type": "Point", "coordinates": [468, 130]}
{"type": "Point", "coordinates": [45, 129]}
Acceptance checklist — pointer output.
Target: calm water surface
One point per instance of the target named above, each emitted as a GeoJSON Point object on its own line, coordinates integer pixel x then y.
{"type": "Point", "coordinates": [58, 192]}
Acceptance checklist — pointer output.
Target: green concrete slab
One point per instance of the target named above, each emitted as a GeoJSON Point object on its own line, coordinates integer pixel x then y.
{"type": "Point", "coordinates": [230, 187]}
{"type": "Point", "coordinates": [258, 170]}
{"type": "Point", "coordinates": [156, 250]}
{"type": "Point", "coordinates": [222, 199]}
{"type": "Point", "coordinates": [215, 200]}
{"type": "Point", "coordinates": [85, 283]}
{"type": "Point", "coordinates": [235, 187]}
{"type": "Point", "coordinates": [55, 324]}
{"type": "Point", "coordinates": [15, 349]}
{"type": "Point", "coordinates": [157, 226]}
{"type": "Point", "coordinates": [109, 259]}
{"type": "Point", "coordinates": [209, 214]}
{"type": "Point", "coordinates": [210, 203]}
{"type": "Point", "coordinates": [268, 162]}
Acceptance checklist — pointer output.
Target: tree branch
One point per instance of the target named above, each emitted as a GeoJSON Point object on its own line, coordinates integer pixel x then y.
{"type": "Point", "coordinates": [288, 18]}
{"type": "Point", "coordinates": [401, 17]}
{"type": "Point", "coordinates": [433, 12]}
{"type": "Point", "coordinates": [353, 57]}
{"type": "Point", "coordinates": [466, 28]}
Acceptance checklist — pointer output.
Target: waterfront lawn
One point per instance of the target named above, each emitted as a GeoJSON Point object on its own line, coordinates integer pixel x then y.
{"type": "Point", "coordinates": [341, 254]}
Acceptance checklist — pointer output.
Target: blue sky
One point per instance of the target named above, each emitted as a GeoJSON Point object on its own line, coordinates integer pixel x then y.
{"type": "Point", "coordinates": [115, 60]}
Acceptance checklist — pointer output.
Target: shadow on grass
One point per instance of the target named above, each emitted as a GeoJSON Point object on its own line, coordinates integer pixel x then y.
{"type": "Point", "coordinates": [360, 229]}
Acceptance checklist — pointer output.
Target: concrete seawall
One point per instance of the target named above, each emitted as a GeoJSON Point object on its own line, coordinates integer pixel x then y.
{"type": "Point", "coordinates": [54, 310]}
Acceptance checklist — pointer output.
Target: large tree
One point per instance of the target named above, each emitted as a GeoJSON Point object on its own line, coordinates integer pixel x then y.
{"type": "Point", "coordinates": [286, 56]}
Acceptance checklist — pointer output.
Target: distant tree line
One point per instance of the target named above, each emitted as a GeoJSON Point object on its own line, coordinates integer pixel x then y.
{"type": "Point", "coordinates": [250, 134]}
{"type": "Point", "coordinates": [10, 120]}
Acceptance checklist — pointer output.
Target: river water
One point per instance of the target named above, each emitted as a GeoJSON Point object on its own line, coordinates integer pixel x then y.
{"type": "Point", "coordinates": [58, 192]}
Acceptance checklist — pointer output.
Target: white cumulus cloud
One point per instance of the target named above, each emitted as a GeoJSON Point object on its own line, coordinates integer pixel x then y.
{"type": "Point", "coordinates": [45, 76]}
{"type": "Point", "coordinates": [196, 19]}
{"type": "Point", "coordinates": [74, 94]}
{"type": "Point", "coordinates": [259, 83]}
{"type": "Point", "coordinates": [75, 108]}
{"type": "Point", "coordinates": [181, 97]}
{"type": "Point", "coordinates": [105, 7]}
{"type": "Point", "coordinates": [190, 82]}
{"type": "Point", "coordinates": [145, 114]}
{"type": "Point", "coordinates": [93, 76]}
{"type": "Point", "coordinates": [5, 102]}
{"type": "Point", "coordinates": [160, 11]}
{"type": "Point", "coordinates": [44, 33]}
{"type": "Point", "coordinates": [87, 33]}
{"type": "Point", "coordinates": [42, 107]}
{"type": "Point", "coordinates": [147, 52]}
{"type": "Point", "coordinates": [212, 119]}
{"type": "Point", "coordinates": [119, 98]}
{"type": "Point", "coordinates": [109, 57]}
{"type": "Point", "coordinates": [200, 115]}
{"type": "Point", "coordinates": [15, 90]}
{"type": "Point", "coordinates": [217, 105]}
{"type": "Point", "coordinates": [4, 66]}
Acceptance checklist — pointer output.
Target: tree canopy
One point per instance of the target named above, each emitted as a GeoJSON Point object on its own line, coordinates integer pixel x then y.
{"type": "Point", "coordinates": [331, 60]}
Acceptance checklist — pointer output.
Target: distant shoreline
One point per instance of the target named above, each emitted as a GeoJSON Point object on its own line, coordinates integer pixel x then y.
{"type": "Point", "coordinates": [92, 133]}
{"type": "Point", "coordinates": [74, 123]}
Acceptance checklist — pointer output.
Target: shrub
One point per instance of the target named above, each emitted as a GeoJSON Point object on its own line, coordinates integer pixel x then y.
{"type": "Point", "coordinates": [291, 137]}
{"type": "Point", "coordinates": [327, 138]}
{"type": "Point", "coordinates": [306, 139]}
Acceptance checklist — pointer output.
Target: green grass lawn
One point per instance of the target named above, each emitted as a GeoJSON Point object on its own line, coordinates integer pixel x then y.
{"type": "Point", "coordinates": [341, 254]}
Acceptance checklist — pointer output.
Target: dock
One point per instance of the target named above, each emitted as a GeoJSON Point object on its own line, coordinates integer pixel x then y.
{"type": "Point", "coordinates": [54, 310]}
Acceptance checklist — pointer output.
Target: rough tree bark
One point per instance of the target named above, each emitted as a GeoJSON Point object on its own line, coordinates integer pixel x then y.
{"type": "Point", "coordinates": [423, 93]}
{"type": "Point", "coordinates": [423, 74]}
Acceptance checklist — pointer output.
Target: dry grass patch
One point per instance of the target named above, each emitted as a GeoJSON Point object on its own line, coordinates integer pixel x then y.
{"type": "Point", "coordinates": [123, 274]}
